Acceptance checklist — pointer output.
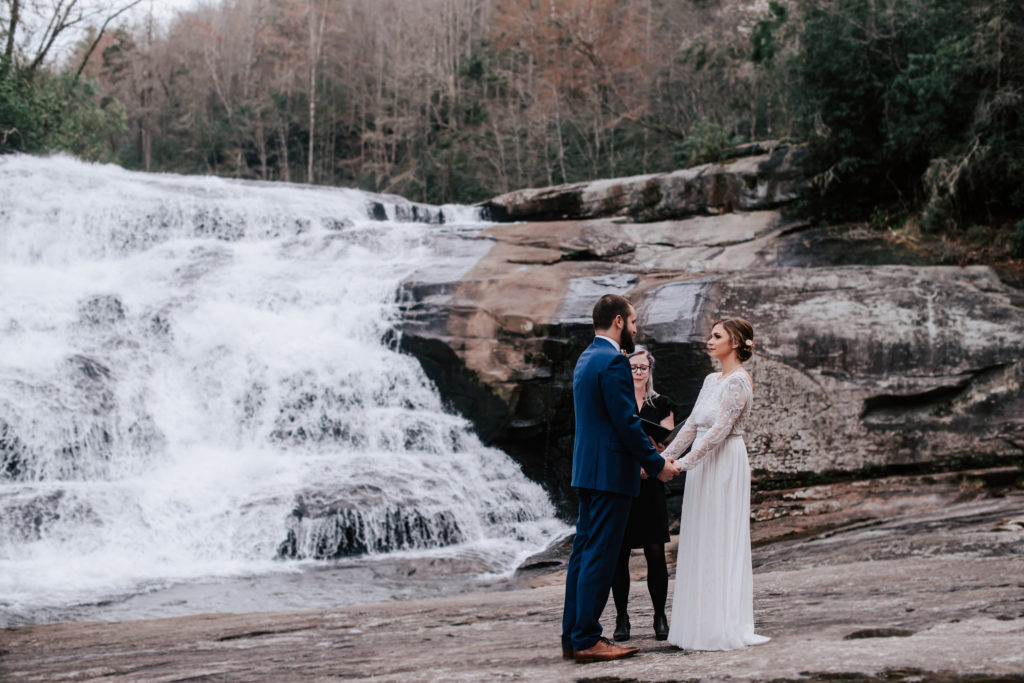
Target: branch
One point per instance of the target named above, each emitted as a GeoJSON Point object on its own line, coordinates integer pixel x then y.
{"type": "Point", "coordinates": [54, 28]}
{"type": "Point", "coordinates": [99, 36]}
{"type": "Point", "coordinates": [7, 132]}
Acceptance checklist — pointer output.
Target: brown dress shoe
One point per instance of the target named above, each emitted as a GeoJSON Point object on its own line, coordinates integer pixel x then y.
{"type": "Point", "coordinates": [602, 651]}
{"type": "Point", "coordinates": [567, 654]}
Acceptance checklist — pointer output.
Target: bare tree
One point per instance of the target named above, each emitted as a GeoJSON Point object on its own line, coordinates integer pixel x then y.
{"type": "Point", "coordinates": [60, 18]}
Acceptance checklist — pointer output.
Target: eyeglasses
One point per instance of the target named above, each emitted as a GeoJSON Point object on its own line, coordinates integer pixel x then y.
{"type": "Point", "coordinates": [641, 369]}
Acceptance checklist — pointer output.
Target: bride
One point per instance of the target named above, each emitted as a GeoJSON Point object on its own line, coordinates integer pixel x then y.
{"type": "Point", "coordinates": [713, 606]}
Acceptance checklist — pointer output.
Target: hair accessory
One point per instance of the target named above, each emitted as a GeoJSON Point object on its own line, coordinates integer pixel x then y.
{"type": "Point", "coordinates": [750, 342]}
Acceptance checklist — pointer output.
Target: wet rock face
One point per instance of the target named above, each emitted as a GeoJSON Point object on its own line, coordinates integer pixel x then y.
{"type": "Point", "coordinates": [73, 447]}
{"type": "Point", "coordinates": [863, 358]}
{"type": "Point", "coordinates": [12, 456]}
{"type": "Point", "coordinates": [330, 529]}
{"type": "Point", "coordinates": [100, 311]}
{"type": "Point", "coordinates": [405, 211]}
{"type": "Point", "coordinates": [31, 514]}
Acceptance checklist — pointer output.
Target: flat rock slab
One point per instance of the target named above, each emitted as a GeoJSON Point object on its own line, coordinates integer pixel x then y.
{"type": "Point", "coordinates": [932, 595]}
{"type": "Point", "coordinates": [750, 183]}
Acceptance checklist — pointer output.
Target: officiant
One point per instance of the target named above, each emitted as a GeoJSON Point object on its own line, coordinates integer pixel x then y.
{"type": "Point", "coordinates": [648, 517]}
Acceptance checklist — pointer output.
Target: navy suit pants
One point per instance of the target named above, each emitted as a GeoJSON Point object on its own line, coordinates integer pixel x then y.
{"type": "Point", "coordinates": [599, 531]}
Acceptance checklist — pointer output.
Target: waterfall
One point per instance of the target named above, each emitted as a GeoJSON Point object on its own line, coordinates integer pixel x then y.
{"type": "Point", "coordinates": [198, 378]}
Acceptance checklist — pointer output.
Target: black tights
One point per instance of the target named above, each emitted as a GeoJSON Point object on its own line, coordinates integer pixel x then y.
{"type": "Point", "coordinates": [657, 577]}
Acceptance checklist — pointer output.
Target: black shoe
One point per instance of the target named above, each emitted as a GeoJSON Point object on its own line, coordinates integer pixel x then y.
{"type": "Point", "coordinates": [660, 626]}
{"type": "Point", "coordinates": [621, 627]}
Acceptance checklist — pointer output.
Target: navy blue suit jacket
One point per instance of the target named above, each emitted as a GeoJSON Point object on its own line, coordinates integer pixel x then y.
{"type": "Point", "coordinates": [610, 446]}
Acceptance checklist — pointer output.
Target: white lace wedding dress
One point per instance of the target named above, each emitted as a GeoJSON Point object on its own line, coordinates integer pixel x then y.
{"type": "Point", "coordinates": [713, 606]}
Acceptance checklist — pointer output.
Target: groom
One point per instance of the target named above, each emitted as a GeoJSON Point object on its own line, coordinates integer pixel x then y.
{"type": "Point", "coordinates": [609, 450]}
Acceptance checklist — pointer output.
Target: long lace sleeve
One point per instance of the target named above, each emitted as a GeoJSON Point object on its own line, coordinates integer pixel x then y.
{"type": "Point", "coordinates": [684, 437]}
{"type": "Point", "coordinates": [732, 400]}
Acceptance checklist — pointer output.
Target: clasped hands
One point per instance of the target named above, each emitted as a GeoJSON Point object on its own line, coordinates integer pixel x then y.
{"type": "Point", "coordinates": [670, 470]}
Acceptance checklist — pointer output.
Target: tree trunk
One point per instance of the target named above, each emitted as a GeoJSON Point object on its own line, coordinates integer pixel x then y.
{"type": "Point", "coordinates": [282, 137]}
{"type": "Point", "coordinates": [12, 27]}
{"type": "Point", "coordinates": [147, 148]}
{"type": "Point", "coordinates": [312, 121]}
{"type": "Point", "coordinates": [261, 145]}
{"type": "Point", "coordinates": [316, 35]}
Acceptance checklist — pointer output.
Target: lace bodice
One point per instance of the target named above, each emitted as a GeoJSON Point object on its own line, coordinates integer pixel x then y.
{"type": "Point", "coordinates": [719, 413]}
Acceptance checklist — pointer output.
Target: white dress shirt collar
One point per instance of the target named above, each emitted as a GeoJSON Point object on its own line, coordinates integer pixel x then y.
{"type": "Point", "coordinates": [609, 340]}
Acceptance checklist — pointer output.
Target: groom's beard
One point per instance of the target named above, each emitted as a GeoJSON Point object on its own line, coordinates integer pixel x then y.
{"type": "Point", "coordinates": [626, 341]}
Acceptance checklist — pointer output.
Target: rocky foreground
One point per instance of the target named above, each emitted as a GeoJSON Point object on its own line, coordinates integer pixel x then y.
{"type": "Point", "coordinates": [904, 578]}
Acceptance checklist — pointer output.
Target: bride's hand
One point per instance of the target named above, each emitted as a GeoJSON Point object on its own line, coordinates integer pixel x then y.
{"type": "Point", "coordinates": [670, 470]}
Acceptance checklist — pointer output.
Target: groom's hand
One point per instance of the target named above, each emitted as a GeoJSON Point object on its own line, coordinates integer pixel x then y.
{"type": "Point", "coordinates": [670, 470]}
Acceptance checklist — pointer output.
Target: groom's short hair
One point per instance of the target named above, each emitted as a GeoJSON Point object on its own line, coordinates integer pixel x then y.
{"type": "Point", "coordinates": [609, 306]}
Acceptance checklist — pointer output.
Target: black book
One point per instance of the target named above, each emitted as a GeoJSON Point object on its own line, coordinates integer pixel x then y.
{"type": "Point", "coordinates": [654, 430]}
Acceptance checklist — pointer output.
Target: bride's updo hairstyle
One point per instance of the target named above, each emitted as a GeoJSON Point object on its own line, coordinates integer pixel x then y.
{"type": "Point", "coordinates": [740, 332]}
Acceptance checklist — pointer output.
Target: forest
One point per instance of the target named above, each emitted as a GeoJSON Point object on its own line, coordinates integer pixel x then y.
{"type": "Point", "coordinates": [911, 109]}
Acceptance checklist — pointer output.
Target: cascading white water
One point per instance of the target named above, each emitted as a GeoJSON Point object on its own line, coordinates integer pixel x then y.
{"type": "Point", "coordinates": [194, 380]}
